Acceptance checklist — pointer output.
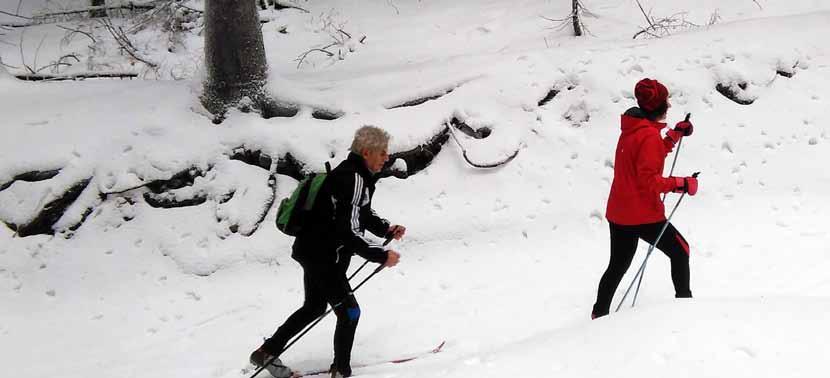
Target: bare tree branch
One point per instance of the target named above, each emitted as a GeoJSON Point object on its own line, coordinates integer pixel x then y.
{"type": "Point", "coordinates": [78, 76]}
{"type": "Point", "coordinates": [758, 4]}
{"type": "Point", "coordinates": [397, 11]}
{"type": "Point", "coordinates": [666, 26]}
{"type": "Point", "coordinates": [302, 56]}
{"type": "Point", "coordinates": [7, 65]}
{"type": "Point", "coordinates": [177, 4]}
{"type": "Point", "coordinates": [15, 15]}
{"type": "Point", "coordinates": [37, 51]}
{"type": "Point", "coordinates": [22, 56]}
{"type": "Point", "coordinates": [77, 31]}
{"type": "Point", "coordinates": [648, 19]}
{"type": "Point", "coordinates": [344, 33]}
{"type": "Point", "coordinates": [278, 5]}
{"type": "Point", "coordinates": [60, 62]}
{"type": "Point", "coordinates": [128, 6]}
{"type": "Point", "coordinates": [124, 41]}
{"type": "Point", "coordinates": [475, 164]}
{"type": "Point", "coordinates": [573, 19]}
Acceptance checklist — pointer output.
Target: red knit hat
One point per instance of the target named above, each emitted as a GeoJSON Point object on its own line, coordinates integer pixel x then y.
{"type": "Point", "coordinates": [651, 95]}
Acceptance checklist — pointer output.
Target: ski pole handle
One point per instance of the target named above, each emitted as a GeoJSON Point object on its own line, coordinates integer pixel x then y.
{"type": "Point", "coordinates": [385, 243]}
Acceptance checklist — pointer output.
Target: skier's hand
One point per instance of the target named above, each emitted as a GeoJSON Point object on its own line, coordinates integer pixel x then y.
{"type": "Point", "coordinates": [397, 231]}
{"type": "Point", "coordinates": [685, 185]}
{"type": "Point", "coordinates": [392, 258]}
{"type": "Point", "coordinates": [685, 127]}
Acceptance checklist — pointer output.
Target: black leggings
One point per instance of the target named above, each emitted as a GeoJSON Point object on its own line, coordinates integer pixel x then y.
{"type": "Point", "coordinates": [322, 287]}
{"type": "Point", "coordinates": [624, 241]}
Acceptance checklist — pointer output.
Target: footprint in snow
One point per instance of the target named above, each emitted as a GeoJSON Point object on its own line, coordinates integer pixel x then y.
{"type": "Point", "coordinates": [746, 351]}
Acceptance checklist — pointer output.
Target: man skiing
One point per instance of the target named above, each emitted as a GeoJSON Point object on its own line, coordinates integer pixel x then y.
{"type": "Point", "coordinates": [634, 209]}
{"type": "Point", "coordinates": [326, 244]}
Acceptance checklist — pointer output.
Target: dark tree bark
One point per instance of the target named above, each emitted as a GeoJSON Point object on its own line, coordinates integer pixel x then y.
{"type": "Point", "coordinates": [234, 55]}
{"type": "Point", "coordinates": [98, 12]}
{"type": "Point", "coordinates": [577, 7]}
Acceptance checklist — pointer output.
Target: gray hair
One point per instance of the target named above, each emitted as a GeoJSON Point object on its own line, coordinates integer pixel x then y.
{"type": "Point", "coordinates": [370, 138]}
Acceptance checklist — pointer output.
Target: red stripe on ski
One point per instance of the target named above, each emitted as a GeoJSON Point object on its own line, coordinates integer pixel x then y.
{"type": "Point", "coordinates": [358, 366]}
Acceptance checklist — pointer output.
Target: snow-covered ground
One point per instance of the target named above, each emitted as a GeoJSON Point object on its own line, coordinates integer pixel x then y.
{"type": "Point", "coordinates": [502, 264]}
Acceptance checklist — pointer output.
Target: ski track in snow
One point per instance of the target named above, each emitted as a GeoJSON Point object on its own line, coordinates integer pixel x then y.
{"type": "Point", "coordinates": [503, 264]}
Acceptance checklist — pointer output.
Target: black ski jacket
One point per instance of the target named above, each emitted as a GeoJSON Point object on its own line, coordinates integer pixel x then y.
{"type": "Point", "coordinates": [341, 214]}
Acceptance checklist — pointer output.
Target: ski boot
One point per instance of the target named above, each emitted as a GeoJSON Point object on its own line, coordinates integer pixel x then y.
{"type": "Point", "coordinates": [276, 368]}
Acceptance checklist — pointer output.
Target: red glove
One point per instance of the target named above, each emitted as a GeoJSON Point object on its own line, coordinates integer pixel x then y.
{"type": "Point", "coordinates": [685, 128]}
{"type": "Point", "coordinates": [685, 185]}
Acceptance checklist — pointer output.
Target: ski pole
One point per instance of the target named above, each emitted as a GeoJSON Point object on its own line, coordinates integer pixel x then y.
{"type": "Point", "coordinates": [641, 271]}
{"type": "Point", "coordinates": [319, 319]}
{"type": "Point", "coordinates": [385, 243]}
{"type": "Point", "coordinates": [676, 153]}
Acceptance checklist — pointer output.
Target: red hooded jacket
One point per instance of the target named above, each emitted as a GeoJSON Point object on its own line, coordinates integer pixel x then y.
{"type": "Point", "coordinates": [638, 172]}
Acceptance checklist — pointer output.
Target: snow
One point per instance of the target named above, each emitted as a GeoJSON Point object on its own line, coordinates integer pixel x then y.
{"type": "Point", "coordinates": [502, 264]}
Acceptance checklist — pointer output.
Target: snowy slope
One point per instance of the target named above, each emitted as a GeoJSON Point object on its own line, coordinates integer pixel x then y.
{"type": "Point", "coordinates": [503, 264]}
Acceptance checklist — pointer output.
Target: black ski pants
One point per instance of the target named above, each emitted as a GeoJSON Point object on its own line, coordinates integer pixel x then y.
{"type": "Point", "coordinates": [323, 285]}
{"type": "Point", "coordinates": [624, 241]}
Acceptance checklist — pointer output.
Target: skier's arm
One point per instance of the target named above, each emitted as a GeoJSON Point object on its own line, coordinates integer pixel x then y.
{"type": "Point", "coordinates": [670, 140]}
{"type": "Point", "coordinates": [649, 160]}
{"type": "Point", "coordinates": [347, 194]}
{"type": "Point", "coordinates": [374, 223]}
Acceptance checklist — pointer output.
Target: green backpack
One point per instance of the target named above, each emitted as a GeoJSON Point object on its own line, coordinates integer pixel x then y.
{"type": "Point", "coordinates": [294, 211]}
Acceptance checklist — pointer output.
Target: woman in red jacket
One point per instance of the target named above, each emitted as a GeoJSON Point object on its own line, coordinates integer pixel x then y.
{"type": "Point", "coordinates": [635, 210]}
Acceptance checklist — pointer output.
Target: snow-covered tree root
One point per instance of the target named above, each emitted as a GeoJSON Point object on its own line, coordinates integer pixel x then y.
{"type": "Point", "coordinates": [51, 212]}
{"type": "Point", "coordinates": [553, 93]}
{"type": "Point", "coordinates": [421, 156]}
{"type": "Point", "coordinates": [421, 100]}
{"type": "Point", "coordinates": [326, 114]}
{"type": "Point", "coordinates": [480, 133]}
{"type": "Point", "coordinates": [416, 159]}
{"type": "Point", "coordinates": [220, 184]}
{"type": "Point", "coordinates": [33, 176]}
{"type": "Point", "coordinates": [742, 92]}
{"type": "Point", "coordinates": [735, 92]}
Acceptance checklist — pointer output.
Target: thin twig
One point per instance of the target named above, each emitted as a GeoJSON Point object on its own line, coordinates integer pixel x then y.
{"type": "Point", "coordinates": [15, 15]}
{"type": "Point", "coordinates": [758, 4]}
{"type": "Point", "coordinates": [124, 41]}
{"type": "Point", "coordinates": [22, 56]}
{"type": "Point", "coordinates": [187, 7]}
{"type": "Point", "coordinates": [555, 19]}
{"type": "Point", "coordinates": [7, 65]}
{"type": "Point", "coordinates": [665, 26]}
{"type": "Point", "coordinates": [78, 31]}
{"type": "Point", "coordinates": [344, 33]}
{"type": "Point", "coordinates": [397, 11]}
{"type": "Point", "coordinates": [302, 57]}
{"type": "Point", "coordinates": [648, 19]}
{"type": "Point", "coordinates": [37, 51]}
{"type": "Point", "coordinates": [479, 165]}
{"type": "Point", "coordinates": [57, 64]}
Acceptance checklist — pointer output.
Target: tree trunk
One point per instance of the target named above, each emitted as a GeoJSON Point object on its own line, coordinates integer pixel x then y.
{"type": "Point", "coordinates": [575, 14]}
{"type": "Point", "coordinates": [98, 12]}
{"type": "Point", "coordinates": [234, 55]}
